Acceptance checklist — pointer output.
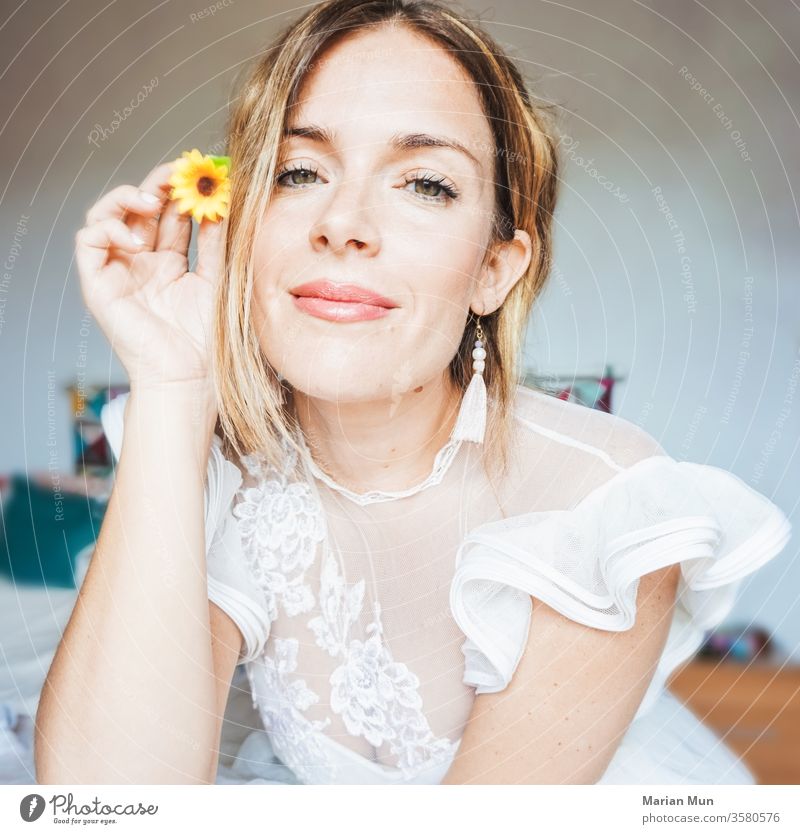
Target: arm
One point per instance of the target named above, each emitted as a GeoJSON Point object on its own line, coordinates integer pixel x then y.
{"type": "Point", "coordinates": [572, 697]}
{"type": "Point", "coordinates": [131, 695]}
{"type": "Point", "coordinates": [226, 645]}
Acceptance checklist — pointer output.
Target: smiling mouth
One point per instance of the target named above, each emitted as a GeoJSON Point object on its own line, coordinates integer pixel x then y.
{"type": "Point", "coordinates": [342, 302]}
{"type": "Point", "coordinates": [342, 311]}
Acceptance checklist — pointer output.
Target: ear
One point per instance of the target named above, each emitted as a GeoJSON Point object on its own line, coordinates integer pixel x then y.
{"type": "Point", "coordinates": [506, 262]}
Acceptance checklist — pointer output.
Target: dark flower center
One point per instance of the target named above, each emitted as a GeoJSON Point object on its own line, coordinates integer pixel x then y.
{"type": "Point", "coordinates": [205, 185]}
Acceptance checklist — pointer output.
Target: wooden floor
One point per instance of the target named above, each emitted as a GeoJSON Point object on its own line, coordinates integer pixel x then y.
{"type": "Point", "coordinates": [755, 708]}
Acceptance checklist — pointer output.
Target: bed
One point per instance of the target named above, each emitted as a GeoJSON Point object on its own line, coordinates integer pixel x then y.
{"type": "Point", "coordinates": [32, 620]}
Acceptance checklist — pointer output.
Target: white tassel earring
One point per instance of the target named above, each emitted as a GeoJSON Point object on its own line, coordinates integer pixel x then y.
{"type": "Point", "coordinates": [471, 423]}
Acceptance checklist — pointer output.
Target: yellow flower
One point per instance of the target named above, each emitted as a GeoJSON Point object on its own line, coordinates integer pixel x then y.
{"type": "Point", "coordinates": [201, 185]}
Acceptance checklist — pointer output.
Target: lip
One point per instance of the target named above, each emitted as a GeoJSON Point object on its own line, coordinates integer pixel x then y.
{"type": "Point", "coordinates": [341, 302]}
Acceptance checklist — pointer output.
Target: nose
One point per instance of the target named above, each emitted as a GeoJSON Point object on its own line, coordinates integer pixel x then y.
{"type": "Point", "coordinates": [347, 219]}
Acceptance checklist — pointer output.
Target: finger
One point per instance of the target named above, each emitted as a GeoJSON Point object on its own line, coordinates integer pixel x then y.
{"type": "Point", "coordinates": [174, 230]}
{"type": "Point", "coordinates": [211, 248]}
{"type": "Point", "coordinates": [118, 201]}
{"type": "Point", "coordinates": [92, 244]}
{"type": "Point", "coordinates": [156, 183]}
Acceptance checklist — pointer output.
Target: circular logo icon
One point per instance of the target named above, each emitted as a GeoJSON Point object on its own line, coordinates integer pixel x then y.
{"type": "Point", "coordinates": [31, 807]}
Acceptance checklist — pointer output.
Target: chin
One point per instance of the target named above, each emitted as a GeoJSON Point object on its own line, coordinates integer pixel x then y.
{"type": "Point", "coordinates": [339, 382]}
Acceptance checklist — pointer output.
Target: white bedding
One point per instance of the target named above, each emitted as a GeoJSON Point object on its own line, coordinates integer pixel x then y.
{"type": "Point", "coordinates": [32, 620]}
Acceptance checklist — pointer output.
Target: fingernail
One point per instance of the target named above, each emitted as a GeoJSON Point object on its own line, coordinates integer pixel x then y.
{"type": "Point", "coordinates": [136, 239]}
{"type": "Point", "coordinates": [149, 198]}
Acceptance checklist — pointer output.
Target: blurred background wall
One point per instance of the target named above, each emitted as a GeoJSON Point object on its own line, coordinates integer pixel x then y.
{"type": "Point", "coordinates": [676, 240]}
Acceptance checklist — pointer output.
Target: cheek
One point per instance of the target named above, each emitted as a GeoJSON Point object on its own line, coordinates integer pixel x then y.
{"type": "Point", "coordinates": [272, 256]}
{"type": "Point", "coordinates": [446, 278]}
{"type": "Point", "coordinates": [442, 304]}
{"type": "Point", "coordinates": [268, 254]}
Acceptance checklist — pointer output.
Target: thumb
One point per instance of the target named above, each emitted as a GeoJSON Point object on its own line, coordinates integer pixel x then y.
{"type": "Point", "coordinates": [211, 248]}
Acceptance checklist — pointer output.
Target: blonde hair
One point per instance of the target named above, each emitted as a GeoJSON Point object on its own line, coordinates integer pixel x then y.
{"type": "Point", "coordinates": [255, 412]}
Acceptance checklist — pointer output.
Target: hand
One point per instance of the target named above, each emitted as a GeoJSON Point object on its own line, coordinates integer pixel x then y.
{"type": "Point", "coordinates": [132, 257]}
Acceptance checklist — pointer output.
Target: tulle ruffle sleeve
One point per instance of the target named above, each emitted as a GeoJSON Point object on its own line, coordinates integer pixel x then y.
{"type": "Point", "coordinates": [230, 584]}
{"type": "Point", "coordinates": [586, 562]}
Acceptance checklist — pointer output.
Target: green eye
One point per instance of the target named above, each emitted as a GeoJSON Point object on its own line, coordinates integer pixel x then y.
{"type": "Point", "coordinates": [427, 187]}
{"type": "Point", "coordinates": [433, 188]}
{"type": "Point", "coordinates": [298, 175]}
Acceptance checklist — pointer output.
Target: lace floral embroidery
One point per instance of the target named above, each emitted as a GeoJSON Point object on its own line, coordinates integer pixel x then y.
{"type": "Point", "coordinates": [283, 701]}
{"type": "Point", "coordinates": [280, 523]}
{"type": "Point", "coordinates": [377, 697]}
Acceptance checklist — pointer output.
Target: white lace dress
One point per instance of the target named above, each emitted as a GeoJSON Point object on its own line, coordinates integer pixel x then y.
{"type": "Point", "coordinates": [371, 621]}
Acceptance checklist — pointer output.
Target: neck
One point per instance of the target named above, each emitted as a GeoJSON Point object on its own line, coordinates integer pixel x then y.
{"type": "Point", "coordinates": [387, 444]}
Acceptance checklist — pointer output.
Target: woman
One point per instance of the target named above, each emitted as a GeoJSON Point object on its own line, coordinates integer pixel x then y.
{"type": "Point", "coordinates": [431, 573]}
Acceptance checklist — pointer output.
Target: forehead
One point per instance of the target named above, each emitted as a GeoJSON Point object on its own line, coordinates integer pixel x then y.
{"type": "Point", "coordinates": [389, 79]}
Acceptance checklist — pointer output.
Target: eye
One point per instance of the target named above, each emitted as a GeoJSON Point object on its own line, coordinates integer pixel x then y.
{"type": "Point", "coordinates": [298, 175]}
{"type": "Point", "coordinates": [432, 187]}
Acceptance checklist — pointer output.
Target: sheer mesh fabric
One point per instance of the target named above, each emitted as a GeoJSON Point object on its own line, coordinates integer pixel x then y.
{"type": "Point", "coordinates": [370, 627]}
{"type": "Point", "coordinates": [402, 553]}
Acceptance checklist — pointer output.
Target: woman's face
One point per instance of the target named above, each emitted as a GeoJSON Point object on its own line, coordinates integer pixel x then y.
{"type": "Point", "coordinates": [366, 199]}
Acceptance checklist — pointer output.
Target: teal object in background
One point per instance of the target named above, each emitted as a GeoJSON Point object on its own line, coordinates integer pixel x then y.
{"type": "Point", "coordinates": [591, 391]}
{"type": "Point", "coordinates": [44, 531]}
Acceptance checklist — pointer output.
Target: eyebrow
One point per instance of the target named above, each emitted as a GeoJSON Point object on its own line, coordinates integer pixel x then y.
{"type": "Point", "coordinates": [399, 141]}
